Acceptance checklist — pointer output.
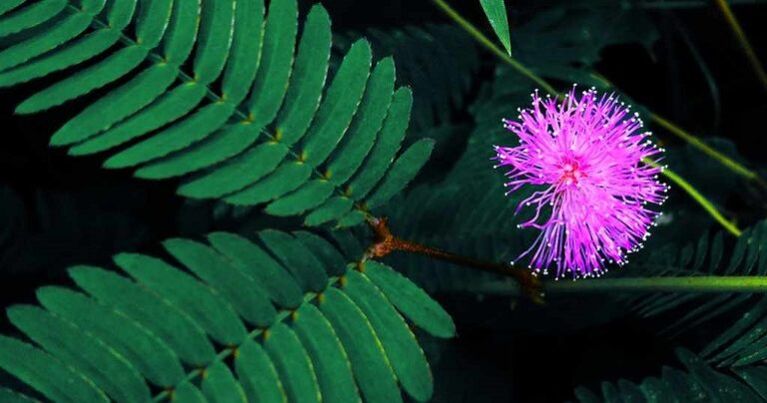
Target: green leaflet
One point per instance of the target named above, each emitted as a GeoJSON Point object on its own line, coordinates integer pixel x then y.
{"type": "Point", "coordinates": [85, 48]}
{"type": "Point", "coordinates": [386, 146]}
{"type": "Point", "coordinates": [258, 375]}
{"type": "Point", "coordinates": [309, 196]}
{"type": "Point", "coordinates": [716, 385]}
{"type": "Point", "coordinates": [331, 364]}
{"type": "Point", "coordinates": [369, 363]}
{"type": "Point", "coordinates": [586, 396]}
{"type": "Point", "coordinates": [182, 31]}
{"type": "Point", "coordinates": [188, 393]}
{"type": "Point", "coordinates": [171, 106]}
{"type": "Point", "coordinates": [400, 344]}
{"type": "Point", "coordinates": [247, 296]}
{"type": "Point", "coordinates": [276, 62]}
{"type": "Point", "coordinates": [402, 172]}
{"type": "Point", "coordinates": [162, 319]}
{"type": "Point", "coordinates": [410, 300]}
{"type": "Point", "coordinates": [495, 10]}
{"type": "Point", "coordinates": [289, 176]}
{"type": "Point", "coordinates": [630, 392]}
{"type": "Point", "coordinates": [683, 385]}
{"type": "Point", "coordinates": [755, 377]}
{"type": "Point", "coordinates": [657, 390]}
{"type": "Point", "coordinates": [366, 124]}
{"type": "Point", "coordinates": [10, 5]}
{"type": "Point", "coordinates": [293, 364]}
{"type": "Point", "coordinates": [332, 209]}
{"type": "Point", "coordinates": [254, 261]}
{"type": "Point", "coordinates": [85, 81]}
{"type": "Point", "coordinates": [176, 137]}
{"type": "Point", "coordinates": [215, 39]}
{"type": "Point", "coordinates": [236, 174]}
{"type": "Point", "coordinates": [134, 95]}
{"type": "Point", "coordinates": [246, 50]}
{"type": "Point", "coordinates": [340, 103]}
{"type": "Point", "coordinates": [332, 260]}
{"type": "Point", "coordinates": [152, 22]}
{"type": "Point", "coordinates": [110, 371]}
{"type": "Point", "coordinates": [355, 217]}
{"type": "Point", "coordinates": [63, 31]}
{"type": "Point", "coordinates": [308, 79]}
{"type": "Point", "coordinates": [210, 310]}
{"type": "Point", "coordinates": [219, 385]}
{"type": "Point", "coordinates": [30, 16]}
{"type": "Point", "coordinates": [9, 396]}
{"type": "Point", "coordinates": [46, 374]}
{"type": "Point", "coordinates": [305, 267]}
{"type": "Point", "coordinates": [224, 144]}
{"type": "Point", "coordinates": [156, 361]}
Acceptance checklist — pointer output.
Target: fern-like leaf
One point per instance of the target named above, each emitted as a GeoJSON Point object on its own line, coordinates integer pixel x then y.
{"type": "Point", "coordinates": [438, 61]}
{"type": "Point", "coordinates": [281, 318]}
{"type": "Point", "coordinates": [218, 94]}
{"type": "Point", "coordinates": [698, 382]}
{"type": "Point", "coordinates": [707, 257]}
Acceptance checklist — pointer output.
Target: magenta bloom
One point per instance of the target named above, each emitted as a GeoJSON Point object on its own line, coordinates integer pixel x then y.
{"type": "Point", "coordinates": [587, 160]}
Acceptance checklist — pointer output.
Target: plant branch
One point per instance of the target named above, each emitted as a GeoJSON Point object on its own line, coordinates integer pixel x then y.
{"type": "Point", "coordinates": [386, 242]}
{"type": "Point", "coordinates": [740, 35]}
{"type": "Point", "coordinates": [690, 284]}
{"type": "Point", "coordinates": [700, 199]}
{"type": "Point", "coordinates": [696, 142]}
{"type": "Point", "coordinates": [708, 206]}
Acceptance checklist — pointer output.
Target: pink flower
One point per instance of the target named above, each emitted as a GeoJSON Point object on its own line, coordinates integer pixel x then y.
{"type": "Point", "coordinates": [594, 174]}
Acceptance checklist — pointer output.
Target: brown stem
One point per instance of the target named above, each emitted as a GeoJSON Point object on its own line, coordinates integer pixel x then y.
{"type": "Point", "coordinates": [386, 243]}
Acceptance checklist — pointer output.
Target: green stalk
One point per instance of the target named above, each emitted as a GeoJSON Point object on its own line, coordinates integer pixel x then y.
{"type": "Point", "coordinates": [693, 284]}
{"type": "Point", "coordinates": [740, 35]}
{"type": "Point", "coordinates": [699, 198]}
{"type": "Point", "coordinates": [728, 162]}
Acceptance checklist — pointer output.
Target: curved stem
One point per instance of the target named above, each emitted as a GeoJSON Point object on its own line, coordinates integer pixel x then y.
{"type": "Point", "coordinates": [386, 242]}
{"type": "Point", "coordinates": [700, 199]}
{"type": "Point", "coordinates": [696, 142]}
{"type": "Point", "coordinates": [708, 206]}
{"type": "Point", "coordinates": [693, 284]}
{"type": "Point", "coordinates": [740, 35]}
{"type": "Point", "coordinates": [487, 43]}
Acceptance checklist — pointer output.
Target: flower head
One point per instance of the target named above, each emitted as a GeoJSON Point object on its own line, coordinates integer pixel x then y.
{"type": "Point", "coordinates": [594, 174]}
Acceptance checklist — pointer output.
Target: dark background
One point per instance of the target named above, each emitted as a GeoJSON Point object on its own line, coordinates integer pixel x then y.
{"type": "Point", "coordinates": [57, 210]}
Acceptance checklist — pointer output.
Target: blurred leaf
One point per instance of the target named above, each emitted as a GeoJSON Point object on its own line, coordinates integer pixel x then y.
{"type": "Point", "coordinates": [495, 10]}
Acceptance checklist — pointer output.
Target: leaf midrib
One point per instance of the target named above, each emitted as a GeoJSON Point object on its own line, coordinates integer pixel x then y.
{"type": "Point", "coordinates": [216, 98]}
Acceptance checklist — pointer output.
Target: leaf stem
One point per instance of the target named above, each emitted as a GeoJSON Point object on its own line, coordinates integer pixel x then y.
{"type": "Point", "coordinates": [690, 284]}
{"type": "Point", "coordinates": [700, 199]}
{"type": "Point", "coordinates": [740, 35]}
{"type": "Point", "coordinates": [698, 143]}
{"type": "Point", "coordinates": [708, 206]}
{"type": "Point", "coordinates": [386, 242]}
{"type": "Point", "coordinates": [487, 43]}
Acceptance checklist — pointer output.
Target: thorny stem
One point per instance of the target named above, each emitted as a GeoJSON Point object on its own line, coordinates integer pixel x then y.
{"type": "Point", "coordinates": [694, 141]}
{"type": "Point", "coordinates": [386, 242]}
{"type": "Point", "coordinates": [740, 35]}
